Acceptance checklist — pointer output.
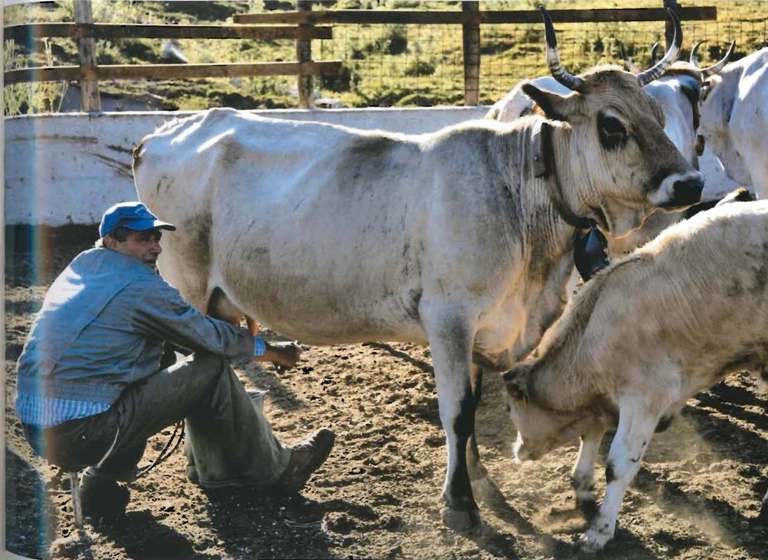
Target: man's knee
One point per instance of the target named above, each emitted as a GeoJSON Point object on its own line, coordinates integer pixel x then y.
{"type": "Point", "coordinates": [211, 361]}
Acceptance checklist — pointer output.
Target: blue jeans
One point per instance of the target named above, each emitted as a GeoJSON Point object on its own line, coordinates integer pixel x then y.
{"type": "Point", "coordinates": [229, 441]}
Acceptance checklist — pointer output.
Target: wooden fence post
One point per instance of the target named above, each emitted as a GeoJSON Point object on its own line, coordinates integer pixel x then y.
{"type": "Point", "coordinates": [669, 30]}
{"type": "Point", "coordinates": [471, 49]}
{"type": "Point", "coordinates": [89, 86]}
{"type": "Point", "coordinates": [304, 54]}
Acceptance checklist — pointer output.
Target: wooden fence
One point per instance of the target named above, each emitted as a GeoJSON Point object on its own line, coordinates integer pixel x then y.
{"type": "Point", "coordinates": [471, 18]}
{"type": "Point", "coordinates": [302, 25]}
{"type": "Point", "coordinates": [85, 32]}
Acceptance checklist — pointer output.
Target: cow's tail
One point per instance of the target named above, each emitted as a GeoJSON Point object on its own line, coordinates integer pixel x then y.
{"type": "Point", "coordinates": [493, 114]}
{"type": "Point", "coordinates": [138, 149]}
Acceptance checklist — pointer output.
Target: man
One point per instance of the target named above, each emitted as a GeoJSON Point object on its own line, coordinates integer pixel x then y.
{"type": "Point", "coordinates": [91, 388]}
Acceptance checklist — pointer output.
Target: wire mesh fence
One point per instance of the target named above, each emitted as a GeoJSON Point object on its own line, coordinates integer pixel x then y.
{"type": "Point", "coordinates": [409, 64]}
{"type": "Point", "coordinates": [397, 64]}
{"type": "Point", "coordinates": [383, 64]}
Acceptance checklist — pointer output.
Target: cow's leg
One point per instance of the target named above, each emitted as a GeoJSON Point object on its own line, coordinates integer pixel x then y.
{"type": "Point", "coordinates": [583, 476]}
{"type": "Point", "coordinates": [637, 422]}
{"type": "Point", "coordinates": [476, 469]}
{"type": "Point", "coordinates": [483, 487]}
{"type": "Point", "coordinates": [450, 340]}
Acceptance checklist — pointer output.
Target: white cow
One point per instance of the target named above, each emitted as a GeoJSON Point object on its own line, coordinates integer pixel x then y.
{"type": "Point", "coordinates": [734, 119]}
{"type": "Point", "coordinates": [677, 93]}
{"type": "Point", "coordinates": [641, 338]}
{"type": "Point", "coordinates": [460, 239]}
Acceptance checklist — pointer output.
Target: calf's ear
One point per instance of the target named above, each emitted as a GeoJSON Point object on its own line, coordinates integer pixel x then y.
{"type": "Point", "coordinates": [516, 382]}
{"type": "Point", "coordinates": [555, 106]}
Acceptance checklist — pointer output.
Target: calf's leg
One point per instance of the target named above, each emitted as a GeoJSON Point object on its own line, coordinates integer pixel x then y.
{"type": "Point", "coordinates": [583, 475]}
{"type": "Point", "coordinates": [637, 422]}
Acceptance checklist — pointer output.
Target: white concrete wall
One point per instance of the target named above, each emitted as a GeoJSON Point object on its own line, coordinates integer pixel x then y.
{"type": "Point", "coordinates": [68, 168]}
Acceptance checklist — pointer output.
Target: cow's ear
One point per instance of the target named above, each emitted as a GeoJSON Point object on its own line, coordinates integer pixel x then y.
{"type": "Point", "coordinates": [516, 382]}
{"type": "Point", "coordinates": [555, 106]}
{"type": "Point", "coordinates": [740, 194]}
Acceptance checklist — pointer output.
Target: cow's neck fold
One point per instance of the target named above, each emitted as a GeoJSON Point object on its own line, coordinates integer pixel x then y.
{"type": "Point", "coordinates": [552, 176]}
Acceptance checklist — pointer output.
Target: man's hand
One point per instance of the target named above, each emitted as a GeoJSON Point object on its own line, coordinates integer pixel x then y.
{"type": "Point", "coordinates": [284, 356]}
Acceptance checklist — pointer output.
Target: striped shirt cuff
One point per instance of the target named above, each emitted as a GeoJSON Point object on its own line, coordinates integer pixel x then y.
{"type": "Point", "coordinates": [259, 346]}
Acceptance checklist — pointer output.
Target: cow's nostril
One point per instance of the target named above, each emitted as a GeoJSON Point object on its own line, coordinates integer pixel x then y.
{"type": "Point", "coordinates": [687, 192]}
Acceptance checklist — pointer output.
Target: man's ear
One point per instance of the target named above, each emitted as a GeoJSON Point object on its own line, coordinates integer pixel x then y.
{"type": "Point", "coordinates": [516, 381]}
{"type": "Point", "coordinates": [555, 106]}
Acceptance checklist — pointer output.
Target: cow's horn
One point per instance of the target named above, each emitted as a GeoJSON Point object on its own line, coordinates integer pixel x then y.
{"type": "Point", "coordinates": [553, 57]}
{"type": "Point", "coordinates": [717, 66]}
{"type": "Point", "coordinates": [658, 69]}
{"type": "Point", "coordinates": [628, 62]}
{"type": "Point", "coordinates": [694, 58]}
{"type": "Point", "coordinates": [654, 52]}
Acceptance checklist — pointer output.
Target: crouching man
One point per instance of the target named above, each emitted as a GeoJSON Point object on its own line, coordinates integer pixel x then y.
{"type": "Point", "coordinates": [91, 388]}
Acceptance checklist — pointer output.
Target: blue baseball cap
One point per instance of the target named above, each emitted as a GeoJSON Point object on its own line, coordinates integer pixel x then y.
{"type": "Point", "coordinates": [130, 215]}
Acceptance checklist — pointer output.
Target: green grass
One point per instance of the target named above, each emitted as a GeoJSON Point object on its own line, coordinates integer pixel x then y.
{"type": "Point", "coordinates": [384, 65]}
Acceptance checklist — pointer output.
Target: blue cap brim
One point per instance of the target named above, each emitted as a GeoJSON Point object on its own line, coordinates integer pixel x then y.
{"type": "Point", "coordinates": [144, 225]}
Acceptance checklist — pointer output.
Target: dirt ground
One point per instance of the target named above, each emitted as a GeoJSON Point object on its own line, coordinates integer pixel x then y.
{"type": "Point", "coordinates": [697, 495]}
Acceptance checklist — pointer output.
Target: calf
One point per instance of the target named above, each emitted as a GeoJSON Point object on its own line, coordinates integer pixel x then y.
{"type": "Point", "coordinates": [646, 334]}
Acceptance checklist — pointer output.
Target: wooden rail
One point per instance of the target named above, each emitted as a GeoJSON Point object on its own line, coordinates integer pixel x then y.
{"type": "Point", "coordinates": [455, 17]}
{"type": "Point", "coordinates": [20, 33]}
{"type": "Point", "coordinates": [171, 71]}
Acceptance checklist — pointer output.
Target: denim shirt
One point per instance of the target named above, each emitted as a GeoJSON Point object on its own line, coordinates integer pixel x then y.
{"type": "Point", "coordinates": [101, 328]}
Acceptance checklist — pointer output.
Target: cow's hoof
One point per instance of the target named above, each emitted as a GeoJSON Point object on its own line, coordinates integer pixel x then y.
{"type": "Point", "coordinates": [192, 474]}
{"type": "Point", "coordinates": [484, 489]}
{"type": "Point", "coordinates": [461, 521]}
{"type": "Point", "coordinates": [593, 541]}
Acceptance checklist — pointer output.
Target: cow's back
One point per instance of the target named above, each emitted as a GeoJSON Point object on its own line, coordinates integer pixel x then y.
{"type": "Point", "coordinates": [734, 120]}
{"type": "Point", "coordinates": [749, 121]}
{"type": "Point", "coordinates": [250, 193]}
{"type": "Point", "coordinates": [699, 293]}
{"type": "Point", "coordinates": [321, 232]}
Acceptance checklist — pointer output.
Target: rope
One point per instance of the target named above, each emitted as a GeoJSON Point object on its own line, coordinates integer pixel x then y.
{"type": "Point", "coordinates": [165, 453]}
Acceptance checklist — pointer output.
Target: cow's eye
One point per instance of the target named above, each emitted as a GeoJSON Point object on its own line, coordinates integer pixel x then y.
{"type": "Point", "coordinates": [612, 133]}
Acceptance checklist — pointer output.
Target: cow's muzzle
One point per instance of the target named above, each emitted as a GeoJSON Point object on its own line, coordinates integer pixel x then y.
{"type": "Point", "coordinates": [685, 192]}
